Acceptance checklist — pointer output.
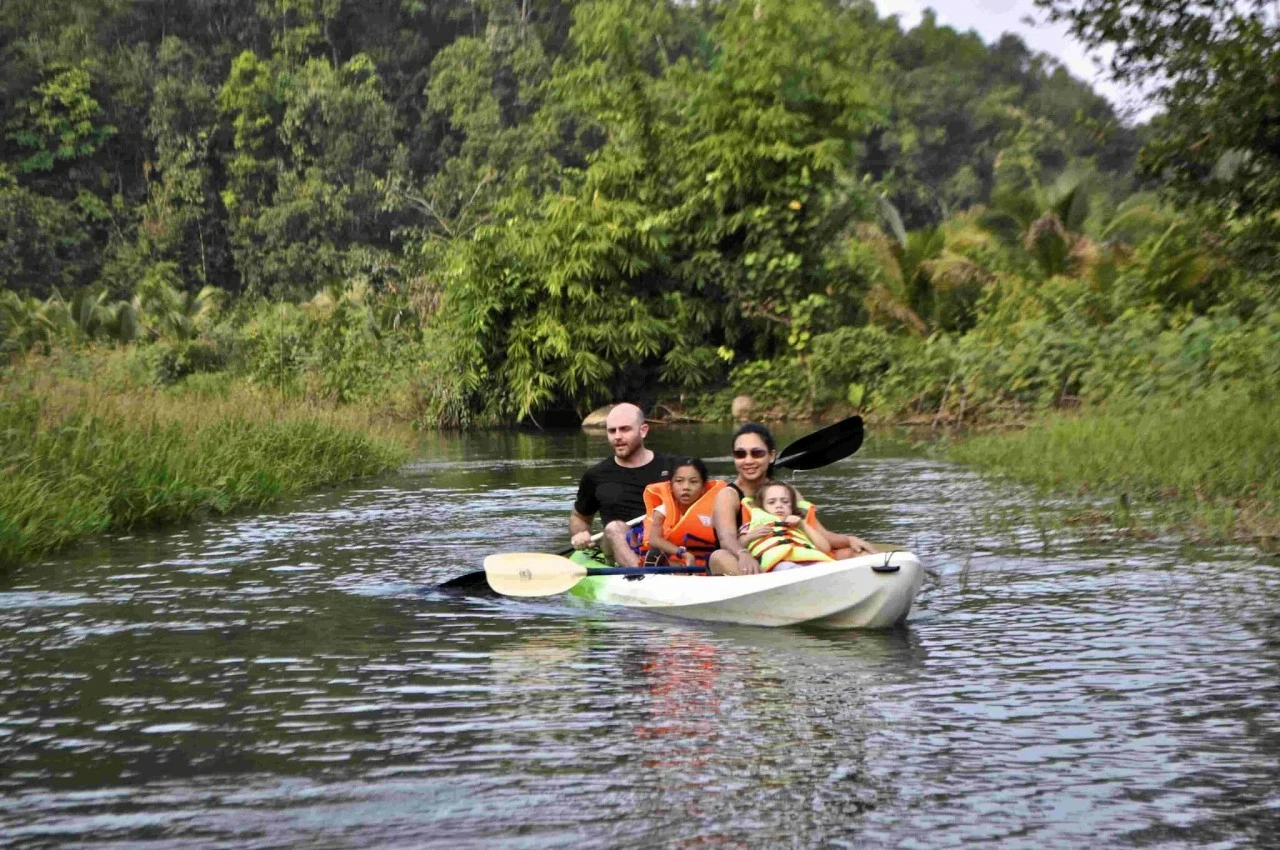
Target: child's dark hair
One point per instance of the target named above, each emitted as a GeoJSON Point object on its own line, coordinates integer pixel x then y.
{"type": "Point", "coordinates": [695, 462]}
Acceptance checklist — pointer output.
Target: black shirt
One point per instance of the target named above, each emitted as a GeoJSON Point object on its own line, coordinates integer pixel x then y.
{"type": "Point", "coordinates": [617, 492]}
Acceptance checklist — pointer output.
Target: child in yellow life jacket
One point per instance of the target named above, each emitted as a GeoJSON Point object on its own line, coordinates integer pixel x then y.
{"type": "Point", "coordinates": [677, 523]}
{"type": "Point", "coordinates": [775, 535]}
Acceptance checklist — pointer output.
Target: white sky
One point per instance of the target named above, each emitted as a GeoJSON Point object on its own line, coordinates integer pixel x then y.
{"type": "Point", "coordinates": [992, 18]}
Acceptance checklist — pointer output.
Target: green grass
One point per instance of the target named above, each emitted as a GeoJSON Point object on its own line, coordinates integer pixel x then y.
{"type": "Point", "coordinates": [1209, 466]}
{"type": "Point", "coordinates": [78, 460]}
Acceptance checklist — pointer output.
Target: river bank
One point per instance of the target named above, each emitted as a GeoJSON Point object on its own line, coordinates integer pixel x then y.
{"type": "Point", "coordinates": [1204, 468]}
{"type": "Point", "coordinates": [91, 445]}
{"type": "Point", "coordinates": [87, 450]}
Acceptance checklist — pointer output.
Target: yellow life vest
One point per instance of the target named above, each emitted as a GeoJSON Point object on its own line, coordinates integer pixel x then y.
{"type": "Point", "coordinates": [808, 510]}
{"type": "Point", "coordinates": [787, 543]}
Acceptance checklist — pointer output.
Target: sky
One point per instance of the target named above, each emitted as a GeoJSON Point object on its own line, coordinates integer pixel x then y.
{"type": "Point", "coordinates": [992, 18]}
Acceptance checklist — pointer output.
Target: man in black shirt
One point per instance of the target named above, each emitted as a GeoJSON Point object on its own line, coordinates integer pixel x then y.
{"type": "Point", "coordinates": [615, 486]}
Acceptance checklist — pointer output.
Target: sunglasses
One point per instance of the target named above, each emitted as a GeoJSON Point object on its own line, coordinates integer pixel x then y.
{"type": "Point", "coordinates": [756, 453]}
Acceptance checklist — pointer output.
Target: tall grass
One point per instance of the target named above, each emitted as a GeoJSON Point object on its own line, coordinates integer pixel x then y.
{"type": "Point", "coordinates": [78, 459]}
{"type": "Point", "coordinates": [1211, 462]}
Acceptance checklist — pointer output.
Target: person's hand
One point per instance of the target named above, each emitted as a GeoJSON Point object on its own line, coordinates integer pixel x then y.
{"type": "Point", "coordinates": [689, 560]}
{"type": "Point", "coordinates": [860, 546]}
{"type": "Point", "coordinates": [581, 540]}
{"type": "Point", "coordinates": [757, 532]}
{"type": "Point", "coordinates": [747, 565]}
{"type": "Point", "coordinates": [792, 520]}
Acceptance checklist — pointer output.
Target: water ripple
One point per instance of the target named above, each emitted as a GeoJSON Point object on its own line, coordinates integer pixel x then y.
{"type": "Point", "coordinates": [281, 679]}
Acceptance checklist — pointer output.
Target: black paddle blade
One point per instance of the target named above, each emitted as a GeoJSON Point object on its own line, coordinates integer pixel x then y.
{"type": "Point", "coordinates": [824, 446]}
{"type": "Point", "coordinates": [469, 583]}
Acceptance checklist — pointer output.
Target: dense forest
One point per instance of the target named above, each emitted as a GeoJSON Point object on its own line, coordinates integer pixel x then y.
{"type": "Point", "coordinates": [502, 208]}
{"type": "Point", "coordinates": [498, 212]}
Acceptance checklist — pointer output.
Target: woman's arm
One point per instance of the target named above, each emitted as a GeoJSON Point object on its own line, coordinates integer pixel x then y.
{"type": "Point", "coordinates": [724, 519]}
{"type": "Point", "coordinates": [837, 541]}
{"type": "Point", "coordinates": [842, 545]}
{"type": "Point", "coordinates": [816, 536]}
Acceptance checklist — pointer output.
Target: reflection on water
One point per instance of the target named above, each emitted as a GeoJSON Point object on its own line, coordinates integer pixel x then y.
{"type": "Point", "coordinates": [291, 679]}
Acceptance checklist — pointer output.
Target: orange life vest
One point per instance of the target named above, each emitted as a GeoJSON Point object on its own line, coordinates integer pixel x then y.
{"type": "Point", "coordinates": [693, 530]}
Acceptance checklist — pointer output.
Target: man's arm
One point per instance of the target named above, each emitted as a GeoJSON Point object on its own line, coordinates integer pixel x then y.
{"type": "Point", "coordinates": [584, 508]}
{"type": "Point", "coordinates": [579, 530]}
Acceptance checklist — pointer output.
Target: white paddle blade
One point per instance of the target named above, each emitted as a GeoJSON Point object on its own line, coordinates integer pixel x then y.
{"type": "Point", "coordinates": [531, 573]}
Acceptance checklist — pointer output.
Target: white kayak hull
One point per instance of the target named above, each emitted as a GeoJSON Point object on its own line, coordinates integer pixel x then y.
{"type": "Point", "coordinates": [849, 594]}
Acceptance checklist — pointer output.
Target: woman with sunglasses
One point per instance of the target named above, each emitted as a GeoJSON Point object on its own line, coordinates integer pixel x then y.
{"type": "Point", "coordinates": [753, 452]}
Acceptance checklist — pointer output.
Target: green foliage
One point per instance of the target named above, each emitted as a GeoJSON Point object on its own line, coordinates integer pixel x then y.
{"type": "Point", "coordinates": [88, 315]}
{"type": "Point", "coordinates": [964, 115]}
{"type": "Point", "coordinates": [344, 345]}
{"type": "Point", "coordinates": [474, 213]}
{"type": "Point", "coordinates": [312, 147]}
{"type": "Point", "coordinates": [43, 243]}
{"type": "Point", "coordinates": [780, 387]}
{"type": "Point", "coordinates": [1213, 67]}
{"type": "Point", "coordinates": [170, 312]}
{"type": "Point", "coordinates": [59, 125]}
{"type": "Point", "coordinates": [853, 363]}
{"type": "Point", "coordinates": [1214, 455]}
{"type": "Point", "coordinates": [170, 361]}
{"type": "Point", "coordinates": [86, 473]}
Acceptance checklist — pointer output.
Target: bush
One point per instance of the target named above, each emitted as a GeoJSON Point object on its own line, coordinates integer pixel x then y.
{"type": "Point", "coordinates": [850, 364]}
{"type": "Point", "coordinates": [920, 377]}
{"type": "Point", "coordinates": [172, 360]}
{"type": "Point", "coordinates": [782, 386]}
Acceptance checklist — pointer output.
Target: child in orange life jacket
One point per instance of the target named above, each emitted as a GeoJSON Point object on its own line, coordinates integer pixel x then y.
{"type": "Point", "coordinates": [678, 523]}
{"type": "Point", "coordinates": [776, 535]}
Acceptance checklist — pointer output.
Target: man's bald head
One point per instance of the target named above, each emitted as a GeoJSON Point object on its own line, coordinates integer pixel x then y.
{"type": "Point", "coordinates": [625, 412]}
{"type": "Point", "coordinates": [626, 429]}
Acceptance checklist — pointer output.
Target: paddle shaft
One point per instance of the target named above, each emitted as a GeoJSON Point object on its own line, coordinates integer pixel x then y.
{"type": "Point", "coordinates": [642, 571]}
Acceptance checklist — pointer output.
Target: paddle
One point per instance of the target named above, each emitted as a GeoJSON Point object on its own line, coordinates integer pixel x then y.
{"type": "Point", "coordinates": [476, 579]}
{"type": "Point", "coordinates": [824, 446]}
{"type": "Point", "coordinates": [535, 574]}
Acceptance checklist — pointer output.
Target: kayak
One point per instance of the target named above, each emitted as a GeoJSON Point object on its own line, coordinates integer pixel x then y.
{"type": "Point", "coordinates": [867, 592]}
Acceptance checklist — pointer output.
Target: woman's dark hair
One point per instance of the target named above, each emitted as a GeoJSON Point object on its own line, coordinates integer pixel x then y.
{"type": "Point", "coordinates": [757, 429]}
{"type": "Point", "coordinates": [695, 462]}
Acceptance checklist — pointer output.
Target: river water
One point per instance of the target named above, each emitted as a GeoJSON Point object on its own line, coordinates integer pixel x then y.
{"type": "Point", "coordinates": [291, 679]}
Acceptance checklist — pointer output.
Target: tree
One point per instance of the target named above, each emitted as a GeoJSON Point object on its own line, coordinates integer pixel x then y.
{"type": "Point", "coordinates": [1215, 68]}
{"type": "Point", "coordinates": [718, 184]}
{"type": "Point", "coordinates": [953, 101]}
{"type": "Point", "coordinates": [311, 145]}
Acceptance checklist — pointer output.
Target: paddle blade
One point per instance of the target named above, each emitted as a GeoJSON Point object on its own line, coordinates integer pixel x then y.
{"type": "Point", "coordinates": [472, 582]}
{"type": "Point", "coordinates": [824, 446]}
{"type": "Point", "coordinates": [531, 573]}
